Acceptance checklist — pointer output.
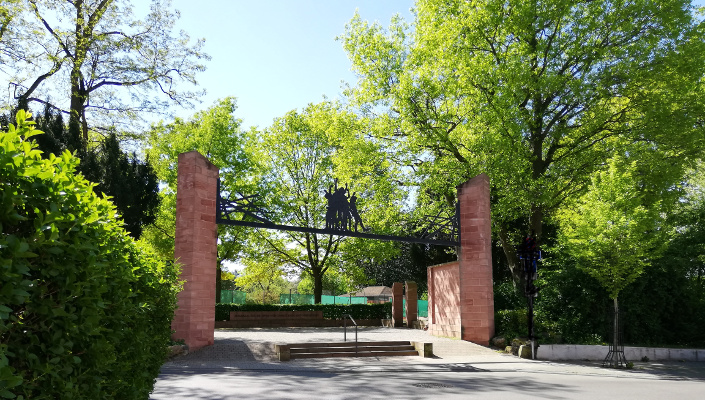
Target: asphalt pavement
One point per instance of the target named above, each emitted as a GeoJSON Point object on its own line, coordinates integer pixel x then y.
{"type": "Point", "coordinates": [242, 364]}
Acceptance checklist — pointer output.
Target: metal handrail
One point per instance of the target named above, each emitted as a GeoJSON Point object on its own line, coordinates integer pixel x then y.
{"type": "Point", "coordinates": [345, 329]}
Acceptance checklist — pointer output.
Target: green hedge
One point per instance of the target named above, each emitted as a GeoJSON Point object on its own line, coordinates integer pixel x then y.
{"type": "Point", "coordinates": [511, 323]}
{"type": "Point", "coordinates": [330, 311]}
{"type": "Point", "coordinates": [84, 312]}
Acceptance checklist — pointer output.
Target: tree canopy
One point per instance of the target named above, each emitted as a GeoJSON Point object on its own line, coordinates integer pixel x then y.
{"type": "Point", "coordinates": [305, 155]}
{"type": "Point", "coordinates": [216, 134]}
{"type": "Point", "coordinates": [95, 61]}
{"type": "Point", "coordinates": [537, 94]}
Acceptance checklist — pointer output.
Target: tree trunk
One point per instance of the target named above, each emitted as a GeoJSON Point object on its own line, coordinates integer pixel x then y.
{"type": "Point", "coordinates": [615, 333]}
{"type": "Point", "coordinates": [512, 260]}
{"type": "Point", "coordinates": [510, 248]}
{"type": "Point", "coordinates": [317, 285]}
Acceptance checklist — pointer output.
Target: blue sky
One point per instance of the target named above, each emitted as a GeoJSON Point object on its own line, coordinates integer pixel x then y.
{"type": "Point", "coordinates": [276, 55]}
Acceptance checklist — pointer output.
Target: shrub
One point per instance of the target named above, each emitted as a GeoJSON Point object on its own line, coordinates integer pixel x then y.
{"type": "Point", "coordinates": [330, 311]}
{"type": "Point", "coordinates": [84, 312]}
{"type": "Point", "coordinates": [511, 323]}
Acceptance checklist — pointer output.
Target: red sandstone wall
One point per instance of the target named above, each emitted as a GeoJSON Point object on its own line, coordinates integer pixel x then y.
{"type": "Point", "coordinates": [195, 249]}
{"type": "Point", "coordinates": [461, 298]}
{"type": "Point", "coordinates": [444, 300]}
{"type": "Point", "coordinates": [476, 292]}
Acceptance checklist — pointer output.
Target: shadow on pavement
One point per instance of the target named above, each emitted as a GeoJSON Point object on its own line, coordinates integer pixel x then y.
{"type": "Point", "coordinates": [303, 385]}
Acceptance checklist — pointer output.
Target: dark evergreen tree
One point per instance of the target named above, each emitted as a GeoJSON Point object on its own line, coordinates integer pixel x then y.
{"type": "Point", "coordinates": [131, 183]}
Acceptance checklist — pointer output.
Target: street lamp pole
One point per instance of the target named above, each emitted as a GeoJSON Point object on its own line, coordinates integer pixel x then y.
{"type": "Point", "coordinates": [529, 254]}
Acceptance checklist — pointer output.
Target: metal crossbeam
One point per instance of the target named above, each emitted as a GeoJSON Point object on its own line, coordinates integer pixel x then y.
{"type": "Point", "coordinates": [342, 217]}
{"type": "Point", "coordinates": [365, 235]}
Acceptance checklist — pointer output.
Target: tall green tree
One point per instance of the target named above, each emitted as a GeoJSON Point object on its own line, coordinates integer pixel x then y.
{"type": "Point", "coordinates": [216, 133]}
{"type": "Point", "coordinates": [95, 57]}
{"type": "Point", "coordinates": [537, 94]}
{"type": "Point", "coordinates": [306, 155]}
{"type": "Point", "coordinates": [263, 276]}
{"type": "Point", "coordinates": [612, 231]}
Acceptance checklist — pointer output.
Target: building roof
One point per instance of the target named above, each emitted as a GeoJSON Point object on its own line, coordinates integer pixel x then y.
{"type": "Point", "coordinates": [371, 291]}
{"type": "Point", "coordinates": [375, 291]}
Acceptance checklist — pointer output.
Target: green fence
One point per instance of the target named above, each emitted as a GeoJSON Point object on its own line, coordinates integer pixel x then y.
{"type": "Point", "coordinates": [232, 297]}
{"type": "Point", "coordinates": [423, 308]}
{"type": "Point", "coordinates": [286, 298]}
{"type": "Point", "coordinates": [238, 297]}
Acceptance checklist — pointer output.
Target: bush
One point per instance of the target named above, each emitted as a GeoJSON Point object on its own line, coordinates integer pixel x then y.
{"type": "Point", "coordinates": [84, 312]}
{"type": "Point", "coordinates": [511, 323]}
{"type": "Point", "coordinates": [330, 311]}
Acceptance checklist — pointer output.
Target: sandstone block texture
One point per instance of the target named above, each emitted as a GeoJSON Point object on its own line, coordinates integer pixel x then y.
{"type": "Point", "coordinates": [476, 293]}
{"type": "Point", "coordinates": [460, 294]}
{"type": "Point", "coordinates": [398, 304]}
{"type": "Point", "coordinates": [444, 300]}
{"type": "Point", "coordinates": [412, 303]}
{"type": "Point", "coordinates": [195, 249]}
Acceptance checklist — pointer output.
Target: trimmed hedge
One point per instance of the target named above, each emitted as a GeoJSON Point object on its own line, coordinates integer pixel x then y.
{"type": "Point", "coordinates": [85, 313]}
{"type": "Point", "coordinates": [330, 311]}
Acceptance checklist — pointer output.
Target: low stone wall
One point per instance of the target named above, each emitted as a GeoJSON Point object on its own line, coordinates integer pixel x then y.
{"type": "Point", "coordinates": [283, 319]}
{"type": "Point", "coordinates": [557, 352]}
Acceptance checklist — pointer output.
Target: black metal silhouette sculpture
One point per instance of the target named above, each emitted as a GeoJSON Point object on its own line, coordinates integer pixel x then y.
{"type": "Point", "coordinates": [342, 211]}
{"type": "Point", "coordinates": [342, 218]}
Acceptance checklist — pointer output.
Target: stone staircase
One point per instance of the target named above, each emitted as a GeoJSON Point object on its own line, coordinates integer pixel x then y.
{"type": "Point", "coordinates": [287, 352]}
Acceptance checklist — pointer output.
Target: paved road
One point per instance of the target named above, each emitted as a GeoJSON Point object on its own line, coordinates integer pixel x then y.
{"type": "Point", "coordinates": [242, 365]}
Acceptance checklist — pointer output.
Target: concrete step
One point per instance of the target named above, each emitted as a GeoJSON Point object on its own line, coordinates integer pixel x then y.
{"type": "Point", "coordinates": [380, 353]}
{"type": "Point", "coordinates": [346, 349]}
{"type": "Point", "coordinates": [351, 349]}
{"type": "Point", "coordinates": [346, 344]}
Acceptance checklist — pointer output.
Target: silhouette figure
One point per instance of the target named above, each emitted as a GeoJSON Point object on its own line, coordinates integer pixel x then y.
{"type": "Point", "coordinates": [355, 214]}
{"type": "Point", "coordinates": [341, 210]}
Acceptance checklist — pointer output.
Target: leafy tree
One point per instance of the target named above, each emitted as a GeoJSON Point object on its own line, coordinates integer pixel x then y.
{"type": "Point", "coordinates": [537, 94]}
{"type": "Point", "coordinates": [85, 312]}
{"type": "Point", "coordinates": [9, 42]}
{"type": "Point", "coordinates": [335, 281]}
{"type": "Point", "coordinates": [108, 62]}
{"type": "Point", "coordinates": [227, 280]}
{"type": "Point", "coordinates": [263, 277]}
{"type": "Point", "coordinates": [305, 155]}
{"type": "Point", "coordinates": [216, 134]}
{"type": "Point", "coordinates": [610, 231]}
{"type": "Point", "coordinates": [409, 264]}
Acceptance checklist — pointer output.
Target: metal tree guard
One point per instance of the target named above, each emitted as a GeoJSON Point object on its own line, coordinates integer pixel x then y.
{"type": "Point", "coordinates": [615, 357]}
{"type": "Point", "coordinates": [529, 255]}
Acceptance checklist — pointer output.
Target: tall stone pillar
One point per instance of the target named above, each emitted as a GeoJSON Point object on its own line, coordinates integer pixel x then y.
{"type": "Point", "coordinates": [476, 292]}
{"type": "Point", "coordinates": [195, 249]}
{"type": "Point", "coordinates": [397, 304]}
{"type": "Point", "coordinates": [412, 303]}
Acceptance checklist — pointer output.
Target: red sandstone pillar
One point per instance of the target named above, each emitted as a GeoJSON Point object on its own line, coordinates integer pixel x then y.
{"type": "Point", "coordinates": [195, 249]}
{"type": "Point", "coordinates": [412, 304]}
{"type": "Point", "coordinates": [476, 293]}
{"type": "Point", "coordinates": [397, 304]}
{"type": "Point", "coordinates": [430, 282]}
